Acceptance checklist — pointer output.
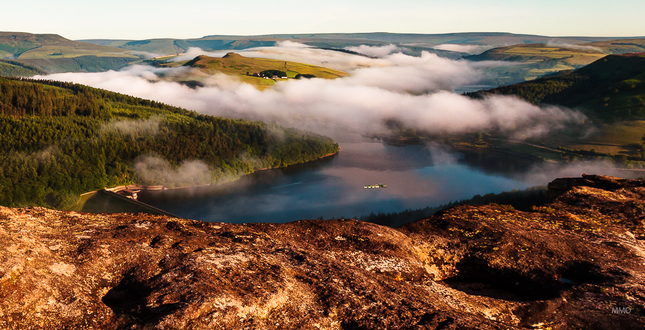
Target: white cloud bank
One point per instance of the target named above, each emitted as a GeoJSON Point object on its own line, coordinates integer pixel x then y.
{"type": "Point", "coordinates": [374, 51]}
{"type": "Point", "coordinates": [412, 90]}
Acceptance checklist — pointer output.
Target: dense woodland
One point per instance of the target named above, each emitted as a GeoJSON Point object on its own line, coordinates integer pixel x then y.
{"type": "Point", "coordinates": [85, 63]}
{"type": "Point", "coordinates": [11, 68]}
{"type": "Point", "coordinates": [58, 140]}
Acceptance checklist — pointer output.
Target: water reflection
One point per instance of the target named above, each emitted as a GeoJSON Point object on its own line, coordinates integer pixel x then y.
{"type": "Point", "coordinates": [416, 176]}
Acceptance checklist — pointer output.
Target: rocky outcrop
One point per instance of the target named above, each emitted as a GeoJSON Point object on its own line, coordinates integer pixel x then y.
{"type": "Point", "coordinates": [562, 185]}
{"type": "Point", "coordinates": [575, 263]}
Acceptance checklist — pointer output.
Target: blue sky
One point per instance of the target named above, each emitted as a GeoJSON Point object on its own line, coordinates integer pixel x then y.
{"type": "Point", "coordinates": [141, 19]}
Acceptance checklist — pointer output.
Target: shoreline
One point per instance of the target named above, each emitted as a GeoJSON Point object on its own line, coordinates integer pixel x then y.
{"type": "Point", "coordinates": [144, 188]}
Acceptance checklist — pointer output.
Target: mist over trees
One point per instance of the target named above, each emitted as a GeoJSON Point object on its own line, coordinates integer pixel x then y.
{"type": "Point", "coordinates": [59, 140]}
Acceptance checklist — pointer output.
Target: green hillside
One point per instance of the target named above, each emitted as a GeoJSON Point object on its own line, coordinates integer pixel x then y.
{"type": "Point", "coordinates": [531, 53]}
{"type": "Point", "coordinates": [610, 91]}
{"type": "Point", "coordinates": [58, 140]}
{"type": "Point", "coordinates": [53, 53]}
{"type": "Point", "coordinates": [175, 46]}
{"type": "Point", "coordinates": [531, 61]}
{"type": "Point", "coordinates": [152, 46]}
{"type": "Point", "coordinates": [621, 46]}
{"type": "Point", "coordinates": [252, 70]}
{"type": "Point", "coordinates": [12, 68]}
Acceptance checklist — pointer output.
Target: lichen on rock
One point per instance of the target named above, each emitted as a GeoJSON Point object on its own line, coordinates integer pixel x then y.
{"type": "Point", "coordinates": [485, 267]}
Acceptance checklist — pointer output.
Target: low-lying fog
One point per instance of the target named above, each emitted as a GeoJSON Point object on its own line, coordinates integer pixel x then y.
{"type": "Point", "coordinates": [416, 91]}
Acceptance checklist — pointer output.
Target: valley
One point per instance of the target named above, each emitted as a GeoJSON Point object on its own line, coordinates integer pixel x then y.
{"type": "Point", "coordinates": [509, 170]}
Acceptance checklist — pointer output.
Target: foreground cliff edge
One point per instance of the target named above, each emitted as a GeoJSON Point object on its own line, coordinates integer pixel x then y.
{"type": "Point", "coordinates": [577, 263]}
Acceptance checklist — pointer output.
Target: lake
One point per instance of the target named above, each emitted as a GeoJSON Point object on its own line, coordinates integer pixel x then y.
{"type": "Point", "coordinates": [416, 176]}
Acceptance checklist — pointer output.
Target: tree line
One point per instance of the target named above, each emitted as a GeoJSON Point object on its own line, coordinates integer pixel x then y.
{"type": "Point", "coordinates": [523, 200]}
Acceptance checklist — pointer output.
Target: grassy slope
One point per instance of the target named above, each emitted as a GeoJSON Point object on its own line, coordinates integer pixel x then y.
{"type": "Point", "coordinates": [106, 42]}
{"type": "Point", "coordinates": [237, 65]}
{"type": "Point", "coordinates": [86, 63]}
{"type": "Point", "coordinates": [536, 60]}
{"type": "Point", "coordinates": [54, 53]}
{"type": "Point", "coordinates": [175, 46]}
{"type": "Point", "coordinates": [539, 52]}
{"type": "Point", "coordinates": [30, 46]}
{"type": "Point", "coordinates": [154, 46]}
{"type": "Point", "coordinates": [621, 46]}
{"type": "Point", "coordinates": [11, 68]}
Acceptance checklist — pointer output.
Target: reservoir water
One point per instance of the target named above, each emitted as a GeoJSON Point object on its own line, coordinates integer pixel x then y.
{"type": "Point", "coordinates": [416, 176]}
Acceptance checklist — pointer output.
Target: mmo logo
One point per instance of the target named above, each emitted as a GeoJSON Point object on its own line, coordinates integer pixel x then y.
{"type": "Point", "coordinates": [621, 310]}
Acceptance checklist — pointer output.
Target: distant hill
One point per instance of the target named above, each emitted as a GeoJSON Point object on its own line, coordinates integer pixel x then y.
{"type": "Point", "coordinates": [531, 53]}
{"type": "Point", "coordinates": [471, 38]}
{"type": "Point", "coordinates": [621, 46]}
{"type": "Point", "coordinates": [53, 53]}
{"type": "Point", "coordinates": [410, 43]}
{"type": "Point", "coordinates": [175, 46]}
{"type": "Point", "coordinates": [154, 47]}
{"type": "Point", "coordinates": [535, 60]}
{"type": "Point", "coordinates": [255, 71]}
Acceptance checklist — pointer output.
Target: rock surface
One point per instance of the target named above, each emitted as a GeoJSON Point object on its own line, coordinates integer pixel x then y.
{"type": "Point", "coordinates": [577, 263]}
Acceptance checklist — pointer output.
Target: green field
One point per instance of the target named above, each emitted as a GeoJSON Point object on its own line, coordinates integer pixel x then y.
{"type": "Point", "coordinates": [153, 46]}
{"type": "Point", "coordinates": [10, 68]}
{"type": "Point", "coordinates": [67, 51]}
{"type": "Point", "coordinates": [621, 46]}
{"type": "Point", "coordinates": [244, 67]}
{"type": "Point", "coordinates": [32, 46]}
{"type": "Point", "coordinates": [235, 64]}
{"type": "Point", "coordinates": [536, 60]}
{"type": "Point", "coordinates": [540, 52]}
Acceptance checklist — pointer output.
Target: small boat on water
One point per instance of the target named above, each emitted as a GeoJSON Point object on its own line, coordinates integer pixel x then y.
{"type": "Point", "coordinates": [375, 186]}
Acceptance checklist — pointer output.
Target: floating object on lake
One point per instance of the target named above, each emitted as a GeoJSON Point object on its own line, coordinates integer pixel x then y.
{"type": "Point", "coordinates": [375, 186]}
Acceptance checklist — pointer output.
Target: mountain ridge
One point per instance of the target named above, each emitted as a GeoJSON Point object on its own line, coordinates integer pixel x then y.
{"type": "Point", "coordinates": [54, 53]}
{"type": "Point", "coordinates": [340, 40]}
